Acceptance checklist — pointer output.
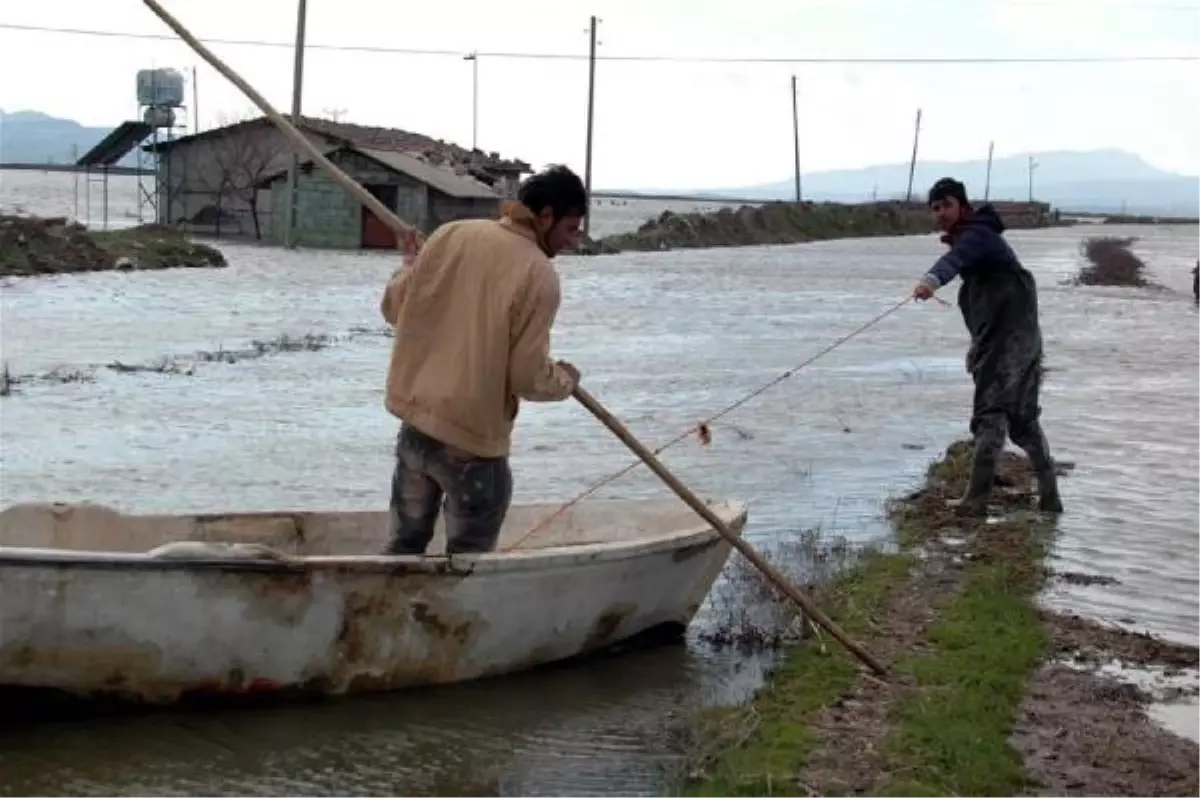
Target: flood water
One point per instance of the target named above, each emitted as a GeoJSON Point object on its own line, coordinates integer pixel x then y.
{"type": "Point", "coordinates": [664, 340]}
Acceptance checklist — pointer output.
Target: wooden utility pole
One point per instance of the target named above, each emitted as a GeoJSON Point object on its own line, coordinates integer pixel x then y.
{"type": "Point", "coordinates": [587, 169]}
{"type": "Point", "coordinates": [796, 138]}
{"type": "Point", "coordinates": [195, 104]}
{"type": "Point", "coordinates": [1032, 165]}
{"type": "Point", "coordinates": [474, 59]}
{"type": "Point", "coordinates": [987, 184]}
{"type": "Point", "coordinates": [912, 165]}
{"type": "Point", "coordinates": [297, 93]}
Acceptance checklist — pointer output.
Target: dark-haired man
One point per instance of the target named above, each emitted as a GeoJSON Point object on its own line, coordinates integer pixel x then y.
{"type": "Point", "coordinates": [999, 303]}
{"type": "Point", "coordinates": [472, 316]}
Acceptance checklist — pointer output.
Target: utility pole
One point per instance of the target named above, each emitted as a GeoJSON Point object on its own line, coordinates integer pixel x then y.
{"type": "Point", "coordinates": [297, 93]}
{"type": "Point", "coordinates": [912, 165]}
{"type": "Point", "coordinates": [1032, 165]}
{"type": "Point", "coordinates": [587, 169]}
{"type": "Point", "coordinates": [474, 59]}
{"type": "Point", "coordinates": [987, 184]}
{"type": "Point", "coordinates": [195, 104]}
{"type": "Point", "coordinates": [796, 138]}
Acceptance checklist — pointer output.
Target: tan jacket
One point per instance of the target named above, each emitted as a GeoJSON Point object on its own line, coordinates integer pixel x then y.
{"type": "Point", "coordinates": [472, 317]}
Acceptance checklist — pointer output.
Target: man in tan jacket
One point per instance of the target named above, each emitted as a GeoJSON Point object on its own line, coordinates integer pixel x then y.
{"type": "Point", "coordinates": [472, 317]}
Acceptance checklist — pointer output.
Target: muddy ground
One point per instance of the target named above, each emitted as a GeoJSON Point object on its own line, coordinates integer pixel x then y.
{"type": "Point", "coordinates": [32, 245]}
{"type": "Point", "coordinates": [1076, 731]}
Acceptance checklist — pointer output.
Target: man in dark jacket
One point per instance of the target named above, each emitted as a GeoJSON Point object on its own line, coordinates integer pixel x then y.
{"type": "Point", "coordinates": [998, 300]}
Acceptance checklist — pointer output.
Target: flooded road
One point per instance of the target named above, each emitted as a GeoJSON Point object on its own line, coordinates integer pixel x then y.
{"type": "Point", "coordinates": [663, 339]}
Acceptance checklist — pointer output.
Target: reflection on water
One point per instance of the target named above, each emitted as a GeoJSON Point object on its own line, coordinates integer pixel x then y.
{"type": "Point", "coordinates": [592, 727]}
{"type": "Point", "coordinates": [664, 339]}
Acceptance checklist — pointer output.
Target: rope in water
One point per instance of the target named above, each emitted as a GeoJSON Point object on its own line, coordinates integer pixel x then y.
{"type": "Point", "coordinates": [703, 427]}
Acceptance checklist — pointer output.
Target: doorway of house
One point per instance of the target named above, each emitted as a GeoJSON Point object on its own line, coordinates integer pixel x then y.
{"type": "Point", "coordinates": [375, 232]}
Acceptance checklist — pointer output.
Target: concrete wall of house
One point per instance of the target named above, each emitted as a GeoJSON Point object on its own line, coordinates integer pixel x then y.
{"type": "Point", "coordinates": [196, 178]}
{"type": "Point", "coordinates": [327, 216]}
{"type": "Point", "coordinates": [444, 208]}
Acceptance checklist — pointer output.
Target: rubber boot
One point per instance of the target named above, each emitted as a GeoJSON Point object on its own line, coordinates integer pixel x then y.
{"type": "Point", "coordinates": [1038, 450]}
{"type": "Point", "coordinates": [1048, 499]}
{"type": "Point", "coordinates": [983, 475]}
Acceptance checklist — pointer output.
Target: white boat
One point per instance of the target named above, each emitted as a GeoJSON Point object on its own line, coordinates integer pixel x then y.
{"type": "Point", "coordinates": [156, 608]}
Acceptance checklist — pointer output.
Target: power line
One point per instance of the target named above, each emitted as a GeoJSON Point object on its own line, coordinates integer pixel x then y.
{"type": "Point", "coordinates": [672, 59]}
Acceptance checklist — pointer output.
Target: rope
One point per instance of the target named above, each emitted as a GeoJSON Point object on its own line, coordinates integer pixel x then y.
{"type": "Point", "coordinates": [703, 427]}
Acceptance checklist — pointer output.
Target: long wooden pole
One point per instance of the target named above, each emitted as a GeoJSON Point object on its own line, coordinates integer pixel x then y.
{"type": "Point", "coordinates": [745, 549]}
{"type": "Point", "coordinates": [297, 138]}
{"type": "Point", "coordinates": [293, 177]}
{"type": "Point", "coordinates": [583, 397]}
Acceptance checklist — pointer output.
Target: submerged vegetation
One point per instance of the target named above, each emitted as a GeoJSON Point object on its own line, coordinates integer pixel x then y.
{"type": "Point", "coordinates": [187, 365]}
{"type": "Point", "coordinates": [1111, 262]}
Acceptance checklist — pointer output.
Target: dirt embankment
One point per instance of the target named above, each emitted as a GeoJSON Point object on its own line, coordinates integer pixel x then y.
{"type": "Point", "coordinates": [31, 245]}
{"type": "Point", "coordinates": [1121, 218]}
{"type": "Point", "coordinates": [987, 693]}
{"type": "Point", "coordinates": [793, 223]}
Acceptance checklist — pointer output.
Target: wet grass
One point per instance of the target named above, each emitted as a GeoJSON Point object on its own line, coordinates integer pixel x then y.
{"type": "Point", "coordinates": [950, 733]}
{"type": "Point", "coordinates": [952, 612]}
{"type": "Point", "coordinates": [758, 749]}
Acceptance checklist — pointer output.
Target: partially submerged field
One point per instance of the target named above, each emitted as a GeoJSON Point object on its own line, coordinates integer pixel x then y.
{"type": "Point", "coordinates": [259, 387]}
{"type": "Point", "coordinates": [988, 694]}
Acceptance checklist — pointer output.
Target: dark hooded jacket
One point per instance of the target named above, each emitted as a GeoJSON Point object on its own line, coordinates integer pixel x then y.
{"type": "Point", "coordinates": [998, 296]}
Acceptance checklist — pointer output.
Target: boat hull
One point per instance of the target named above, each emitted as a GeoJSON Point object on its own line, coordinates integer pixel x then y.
{"type": "Point", "coordinates": [160, 629]}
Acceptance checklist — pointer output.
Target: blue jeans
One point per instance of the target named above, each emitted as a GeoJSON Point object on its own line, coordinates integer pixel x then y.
{"type": "Point", "coordinates": [474, 492]}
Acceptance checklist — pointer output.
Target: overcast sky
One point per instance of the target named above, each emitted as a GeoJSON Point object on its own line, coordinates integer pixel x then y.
{"type": "Point", "coordinates": [660, 124]}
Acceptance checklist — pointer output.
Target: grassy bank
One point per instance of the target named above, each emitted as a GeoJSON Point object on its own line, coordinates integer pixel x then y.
{"type": "Point", "coordinates": [31, 245]}
{"type": "Point", "coordinates": [952, 611]}
{"type": "Point", "coordinates": [793, 223]}
{"type": "Point", "coordinates": [963, 673]}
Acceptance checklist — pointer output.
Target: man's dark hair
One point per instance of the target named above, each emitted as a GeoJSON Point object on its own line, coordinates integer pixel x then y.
{"type": "Point", "coordinates": [557, 188]}
{"type": "Point", "coordinates": [948, 187]}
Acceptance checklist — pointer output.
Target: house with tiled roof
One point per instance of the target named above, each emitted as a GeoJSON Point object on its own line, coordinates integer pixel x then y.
{"type": "Point", "coordinates": [232, 181]}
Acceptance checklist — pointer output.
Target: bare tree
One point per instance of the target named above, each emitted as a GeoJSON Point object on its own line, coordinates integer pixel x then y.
{"type": "Point", "coordinates": [243, 159]}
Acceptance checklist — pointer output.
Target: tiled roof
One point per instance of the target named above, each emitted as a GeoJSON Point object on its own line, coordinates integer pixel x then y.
{"type": "Point", "coordinates": [377, 138]}
{"type": "Point", "coordinates": [442, 177]}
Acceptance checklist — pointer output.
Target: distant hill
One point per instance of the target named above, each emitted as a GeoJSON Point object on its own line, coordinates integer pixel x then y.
{"type": "Point", "coordinates": [34, 137]}
{"type": "Point", "coordinates": [1098, 180]}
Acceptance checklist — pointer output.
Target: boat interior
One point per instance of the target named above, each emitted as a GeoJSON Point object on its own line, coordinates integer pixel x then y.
{"type": "Point", "coordinates": [98, 528]}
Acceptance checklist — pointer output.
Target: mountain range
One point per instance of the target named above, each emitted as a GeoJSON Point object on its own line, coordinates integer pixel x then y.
{"type": "Point", "coordinates": [34, 137]}
{"type": "Point", "coordinates": [1101, 181]}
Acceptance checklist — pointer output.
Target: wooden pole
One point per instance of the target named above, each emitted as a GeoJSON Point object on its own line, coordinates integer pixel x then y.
{"type": "Point", "coordinates": [912, 165]}
{"type": "Point", "coordinates": [591, 109]}
{"type": "Point", "coordinates": [297, 138]}
{"type": "Point", "coordinates": [796, 139]}
{"type": "Point", "coordinates": [704, 511]}
{"type": "Point", "coordinates": [987, 185]}
{"type": "Point", "coordinates": [293, 176]}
